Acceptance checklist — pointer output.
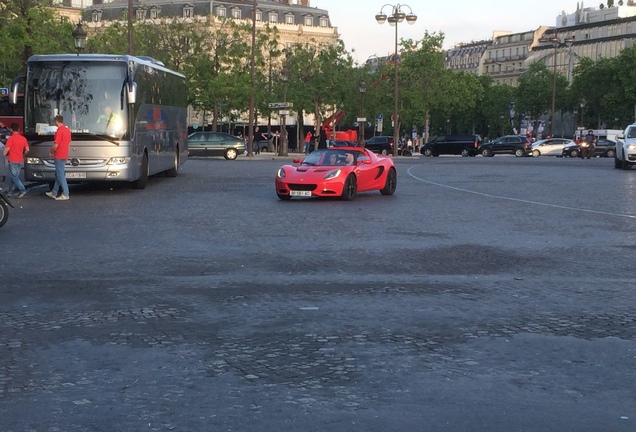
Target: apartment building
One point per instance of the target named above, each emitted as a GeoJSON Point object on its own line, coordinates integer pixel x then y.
{"type": "Point", "coordinates": [296, 21]}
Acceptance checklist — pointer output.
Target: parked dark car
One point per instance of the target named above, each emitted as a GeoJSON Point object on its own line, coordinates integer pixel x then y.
{"type": "Point", "coordinates": [215, 144]}
{"type": "Point", "coordinates": [603, 148]}
{"type": "Point", "coordinates": [517, 145]}
{"type": "Point", "coordinates": [453, 144]}
{"type": "Point", "coordinates": [380, 144]}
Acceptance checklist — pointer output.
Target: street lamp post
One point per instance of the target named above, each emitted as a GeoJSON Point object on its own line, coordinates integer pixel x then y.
{"type": "Point", "coordinates": [555, 40]}
{"type": "Point", "coordinates": [361, 119]}
{"type": "Point", "coordinates": [79, 38]}
{"type": "Point", "coordinates": [396, 17]}
{"type": "Point", "coordinates": [250, 140]}
{"type": "Point", "coordinates": [282, 150]}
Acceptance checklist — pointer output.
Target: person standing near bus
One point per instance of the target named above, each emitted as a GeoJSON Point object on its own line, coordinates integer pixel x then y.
{"type": "Point", "coordinates": [59, 152]}
{"type": "Point", "coordinates": [15, 148]}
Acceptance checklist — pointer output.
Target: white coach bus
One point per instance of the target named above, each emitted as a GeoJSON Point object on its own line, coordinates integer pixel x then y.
{"type": "Point", "coordinates": [127, 117]}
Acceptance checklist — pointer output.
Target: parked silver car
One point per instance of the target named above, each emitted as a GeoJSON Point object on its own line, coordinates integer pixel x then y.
{"type": "Point", "coordinates": [550, 147]}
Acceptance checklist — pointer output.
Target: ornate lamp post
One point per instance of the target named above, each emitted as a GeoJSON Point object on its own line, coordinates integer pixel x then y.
{"type": "Point", "coordinates": [555, 40]}
{"type": "Point", "coordinates": [396, 17]}
{"type": "Point", "coordinates": [79, 38]}
{"type": "Point", "coordinates": [361, 119]}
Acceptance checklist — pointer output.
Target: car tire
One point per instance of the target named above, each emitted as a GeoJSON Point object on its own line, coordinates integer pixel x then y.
{"type": "Point", "coordinates": [465, 152]}
{"type": "Point", "coordinates": [390, 184]}
{"type": "Point", "coordinates": [350, 189]}
{"type": "Point", "coordinates": [574, 153]}
{"type": "Point", "coordinates": [428, 152]}
{"type": "Point", "coordinates": [520, 153]}
{"type": "Point", "coordinates": [536, 153]}
{"type": "Point", "coordinates": [486, 152]}
{"type": "Point", "coordinates": [231, 154]}
{"type": "Point", "coordinates": [610, 153]}
{"type": "Point", "coordinates": [284, 197]}
{"type": "Point", "coordinates": [625, 165]}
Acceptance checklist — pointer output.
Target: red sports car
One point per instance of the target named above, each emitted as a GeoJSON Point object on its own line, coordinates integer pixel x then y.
{"type": "Point", "coordinates": [337, 172]}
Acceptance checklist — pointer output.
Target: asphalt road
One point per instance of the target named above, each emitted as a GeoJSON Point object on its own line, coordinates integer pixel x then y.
{"type": "Point", "coordinates": [488, 294]}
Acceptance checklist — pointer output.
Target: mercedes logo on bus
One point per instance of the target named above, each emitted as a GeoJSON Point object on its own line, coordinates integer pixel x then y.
{"type": "Point", "coordinates": [75, 162]}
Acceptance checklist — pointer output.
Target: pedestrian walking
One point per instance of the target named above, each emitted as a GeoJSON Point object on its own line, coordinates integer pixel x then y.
{"type": "Point", "coordinates": [59, 153]}
{"type": "Point", "coordinates": [15, 149]}
{"type": "Point", "coordinates": [308, 138]}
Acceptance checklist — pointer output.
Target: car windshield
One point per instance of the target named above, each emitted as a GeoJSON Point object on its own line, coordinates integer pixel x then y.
{"type": "Point", "coordinates": [331, 157]}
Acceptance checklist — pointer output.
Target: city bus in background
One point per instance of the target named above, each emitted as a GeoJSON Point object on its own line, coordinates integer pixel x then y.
{"type": "Point", "coordinates": [11, 113]}
{"type": "Point", "coordinates": [127, 117]}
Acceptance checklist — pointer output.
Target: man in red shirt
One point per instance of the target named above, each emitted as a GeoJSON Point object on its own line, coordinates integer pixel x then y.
{"type": "Point", "coordinates": [59, 153]}
{"type": "Point", "coordinates": [15, 148]}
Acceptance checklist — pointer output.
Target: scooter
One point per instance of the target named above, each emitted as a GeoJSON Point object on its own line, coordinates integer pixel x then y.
{"type": "Point", "coordinates": [5, 203]}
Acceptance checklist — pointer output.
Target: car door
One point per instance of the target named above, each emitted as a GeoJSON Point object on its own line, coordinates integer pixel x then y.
{"type": "Point", "coordinates": [216, 145]}
{"type": "Point", "coordinates": [502, 145]}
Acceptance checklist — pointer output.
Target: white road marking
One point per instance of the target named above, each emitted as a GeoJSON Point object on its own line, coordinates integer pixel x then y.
{"type": "Point", "coordinates": [519, 199]}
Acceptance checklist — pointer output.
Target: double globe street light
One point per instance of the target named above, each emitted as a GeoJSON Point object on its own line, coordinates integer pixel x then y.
{"type": "Point", "coordinates": [397, 16]}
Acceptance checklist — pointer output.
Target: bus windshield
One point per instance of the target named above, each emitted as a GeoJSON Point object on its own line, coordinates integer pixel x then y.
{"type": "Point", "coordinates": [89, 95]}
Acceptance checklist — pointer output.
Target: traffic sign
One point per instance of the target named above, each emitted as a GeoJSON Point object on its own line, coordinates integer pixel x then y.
{"type": "Point", "coordinates": [279, 105]}
{"type": "Point", "coordinates": [4, 91]}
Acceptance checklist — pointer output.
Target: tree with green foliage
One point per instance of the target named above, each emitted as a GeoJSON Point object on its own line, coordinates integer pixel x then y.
{"type": "Point", "coordinates": [421, 74]}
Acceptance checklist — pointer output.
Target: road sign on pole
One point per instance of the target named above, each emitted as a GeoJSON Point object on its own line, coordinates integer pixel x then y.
{"type": "Point", "coordinates": [280, 105]}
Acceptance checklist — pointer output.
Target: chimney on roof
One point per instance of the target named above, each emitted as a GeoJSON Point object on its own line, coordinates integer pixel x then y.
{"type": "Point", "coordinates": [303, 2]}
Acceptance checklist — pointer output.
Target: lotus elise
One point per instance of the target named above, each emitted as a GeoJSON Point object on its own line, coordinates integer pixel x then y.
{"type": "Point", "coordinates": [337, 172]}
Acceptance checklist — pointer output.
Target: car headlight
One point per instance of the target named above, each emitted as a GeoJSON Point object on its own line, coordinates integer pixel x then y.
{"type": "Point", "coordinates": [280, 173]}
{"type": "Point", "coordinates": [631, 146]}
{"type": "Point", "coordinates": [34, 161]}
{"type": "Point", "coordinates": [118, 161]}
{"type": "Point", "coordinates": [333, 174]}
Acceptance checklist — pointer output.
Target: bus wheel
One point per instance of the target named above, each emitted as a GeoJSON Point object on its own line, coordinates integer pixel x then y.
{"type": "Point", "coordinates": [143, 179]}
{"type": "Point", "coordinates": [172, 172]}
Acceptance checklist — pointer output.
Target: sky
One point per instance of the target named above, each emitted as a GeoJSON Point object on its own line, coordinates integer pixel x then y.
{"type": "Point", "coordinates": [459, 20]}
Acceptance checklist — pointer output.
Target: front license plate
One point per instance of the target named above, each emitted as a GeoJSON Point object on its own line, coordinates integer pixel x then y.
{"type": "Point", "coordinates": [75, 175]}
{"type": "Point", "coordinates": [300, 193]}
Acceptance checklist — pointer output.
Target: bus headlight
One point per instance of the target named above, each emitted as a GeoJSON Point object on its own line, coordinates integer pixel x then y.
{"type": "Point", "coordinates": [118, 161]}
{"type": "Point", "coordinates": [34, 161]}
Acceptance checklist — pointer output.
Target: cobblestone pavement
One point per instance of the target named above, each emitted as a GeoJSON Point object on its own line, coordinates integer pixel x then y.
{"type": "Point", "coordinates": [476, 299]}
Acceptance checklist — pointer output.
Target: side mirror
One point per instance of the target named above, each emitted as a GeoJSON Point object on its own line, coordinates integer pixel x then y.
{"type": "Point", "coordinates": [620, 137]}
{"type": "Point", "coordinates": [297, 160]}
{"type": "Point", "coordinates": [13, 89]}
{"type": "Point", "coordinates": [132, 92]}
{"type": "Point", "coordinates": [366, 161]}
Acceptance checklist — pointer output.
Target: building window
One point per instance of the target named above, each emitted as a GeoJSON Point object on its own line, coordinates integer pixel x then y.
{"type": "Point", "coordinates": [289, 19]}
{"type": "Point", "coordinates": [309, 20]}
{"type": "Point", "coordinates": [188, 12]}
{"type": "Point", "coordinates": [140, 14]}
{"type": "Point", "coordinates": [273, 17]}
{"type": "Point", "coordinates": [154, 13]}
{"type": "Point", "coordinates": [220, 11]}
{"type": "Point", "coordinates": [259, 15]}
{"type": "Point", "coordinates": [324, 22]}
{"type": "Point", "coordinates": [97, 16]}
{"type": "Point", "coordinates": [236, 13]}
